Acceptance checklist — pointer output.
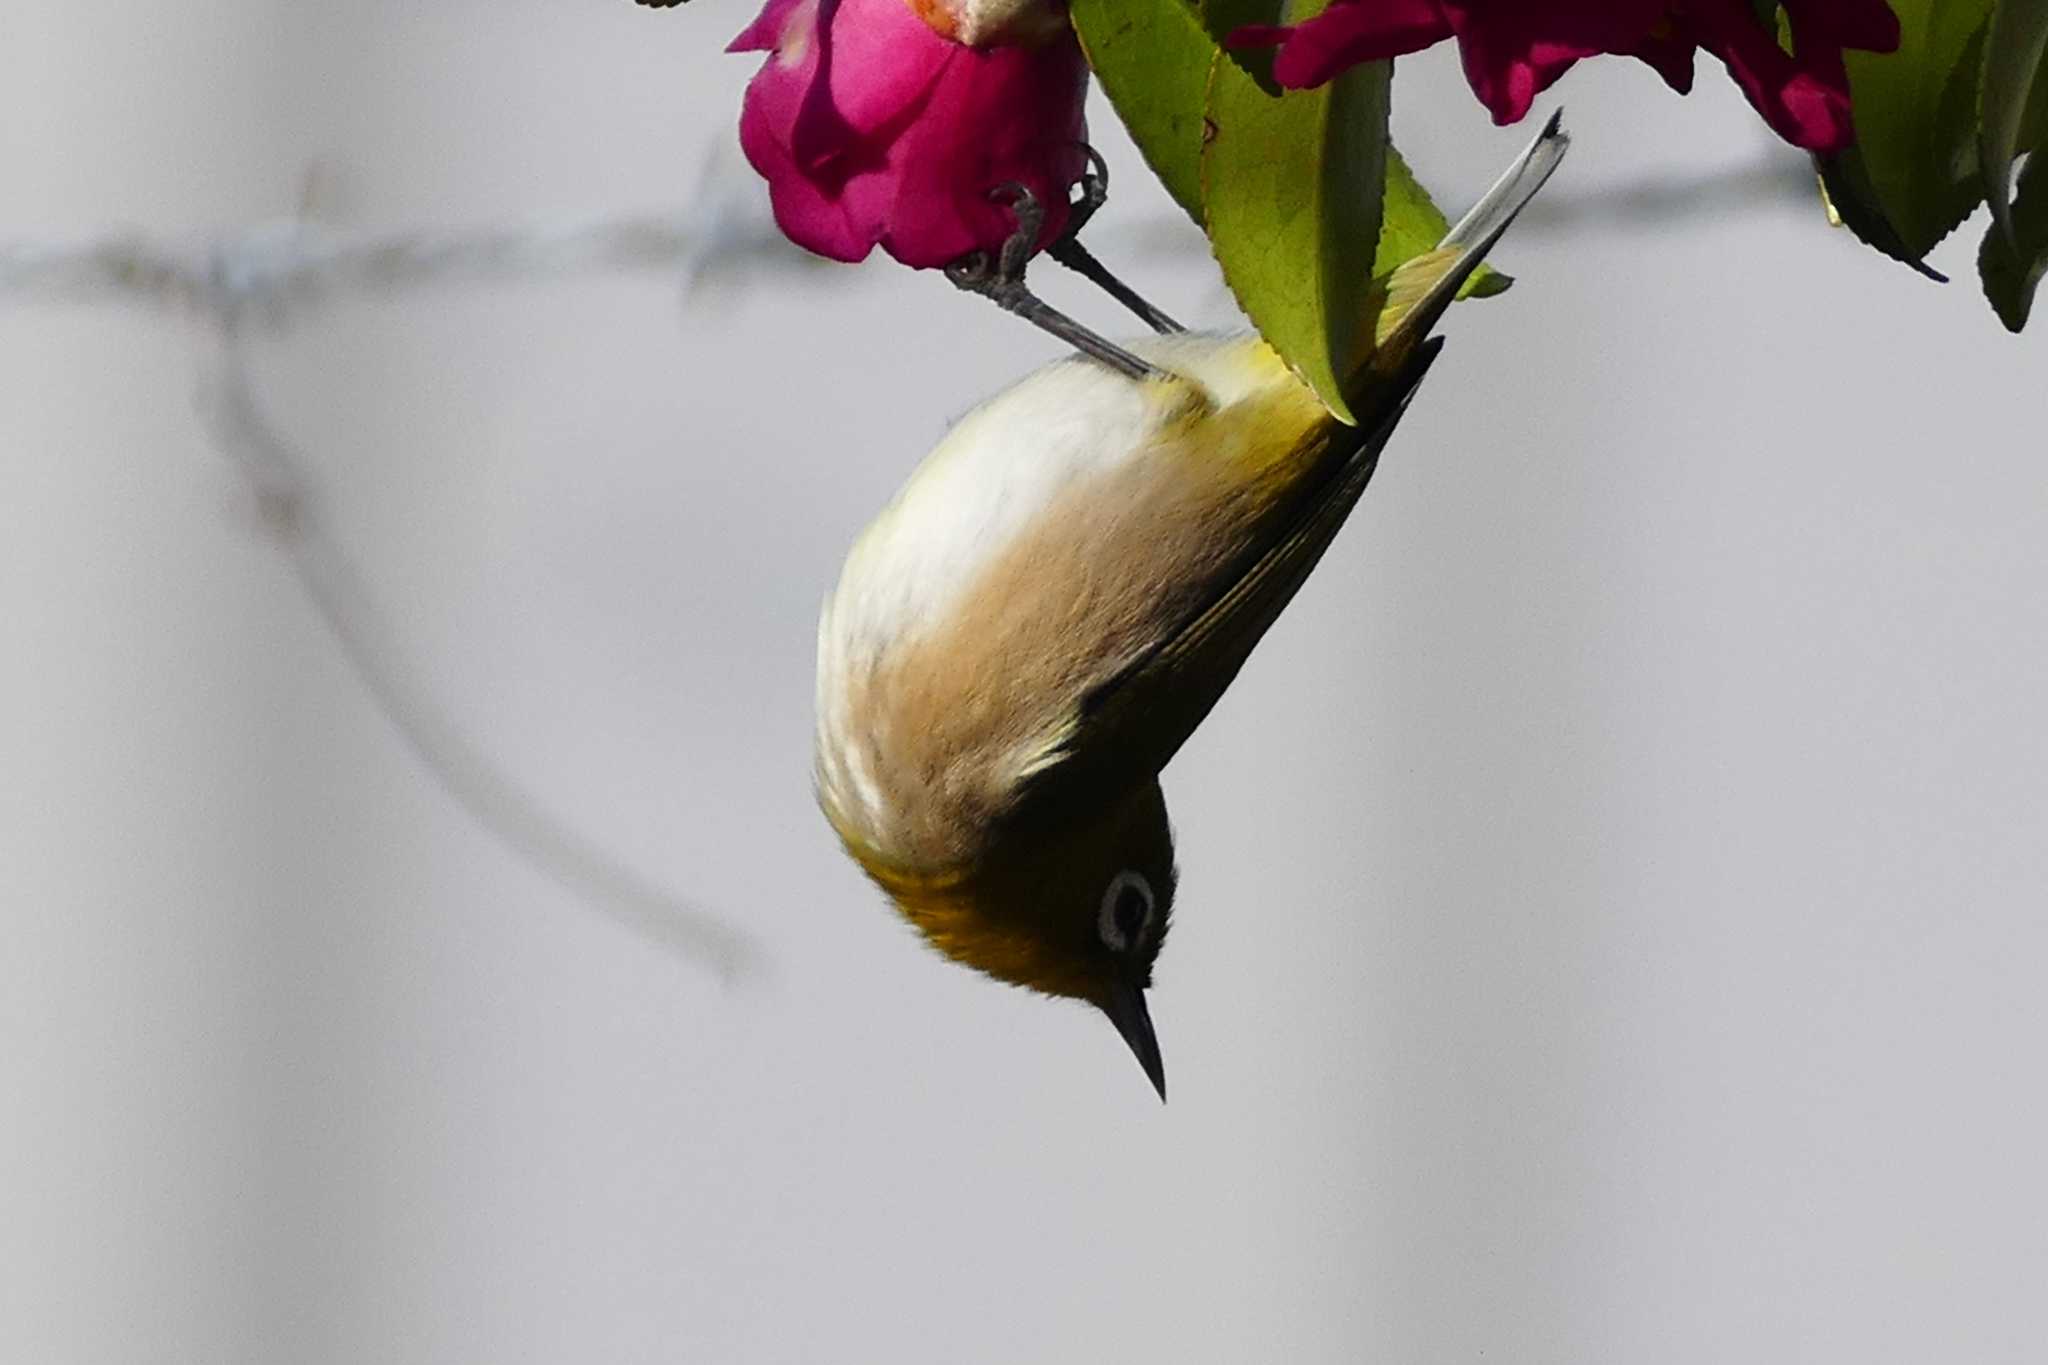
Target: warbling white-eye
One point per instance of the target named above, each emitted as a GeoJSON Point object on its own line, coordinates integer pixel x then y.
{"type": "Point", "coordinates": [1049, 607]}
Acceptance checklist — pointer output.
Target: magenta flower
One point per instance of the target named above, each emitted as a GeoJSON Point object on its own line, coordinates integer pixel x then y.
{"type": "Point", "coordinates": [1514, 49]}
{"type": "Point", "coordinates": [874, 129]}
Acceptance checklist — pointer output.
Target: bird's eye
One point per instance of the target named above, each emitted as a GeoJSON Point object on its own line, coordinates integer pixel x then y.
{"type": "Point", "coordinates": [1126, 910]}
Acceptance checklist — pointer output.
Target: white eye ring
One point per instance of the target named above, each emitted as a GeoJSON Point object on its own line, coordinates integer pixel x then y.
{"type": "Point", "coordinates": [1106, 925]}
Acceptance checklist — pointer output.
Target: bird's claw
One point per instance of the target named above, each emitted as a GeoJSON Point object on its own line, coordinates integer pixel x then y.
{"type": "Point", "coordinates": [1094, 186]}
{"type": "Point", "coordinates": [1023, 240]}
{"type": "Point", "coordinates": [999, 276]}
{"type": "Point", "coordinates": [1069, 252]}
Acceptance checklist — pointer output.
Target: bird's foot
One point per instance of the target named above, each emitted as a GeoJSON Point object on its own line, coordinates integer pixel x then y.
{"type": "Point", "coordinates": [999, 278]}
{"type": "Point", "coordinates": [1069, 252]}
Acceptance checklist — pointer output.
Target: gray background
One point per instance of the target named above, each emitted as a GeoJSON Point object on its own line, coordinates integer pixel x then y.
{"type": "Point", "coordinates": [1612, 904]}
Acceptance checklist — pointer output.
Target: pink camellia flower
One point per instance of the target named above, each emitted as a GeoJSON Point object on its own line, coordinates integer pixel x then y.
{"type": "Point", "coordinates": [1514, 49]}
{"type": "Point", "coordinates": [874, 127]}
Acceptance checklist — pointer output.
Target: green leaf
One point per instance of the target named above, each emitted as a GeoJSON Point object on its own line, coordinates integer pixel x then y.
{"type": "Point", "coordinates": [1411, 224]}
{"type": "Point", "coordinates": [1854, 202]}
{"type": "Point", "coordinates": [2012, 264]}
{"type": "Point", "coordinates": [1292, 189]}
{"type": "Point", "coordinates": [1225, 17]}
{"type": "Point", "coordinates": [2015, 75]}
{"type": "Point", "coordinates": [1288, 186]}
{"type": "Point", "coordinates": [1154, 60]}
{"type": "Point", "coordinates": [1912, 175]}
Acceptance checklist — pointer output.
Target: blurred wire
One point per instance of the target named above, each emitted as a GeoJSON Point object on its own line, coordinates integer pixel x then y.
{"type": "Point", "coordinates": [276, 474]}
{"type": "Point", "coordinates": [274, 273]}
{"type": "Point", "coordinates": [275, 266]}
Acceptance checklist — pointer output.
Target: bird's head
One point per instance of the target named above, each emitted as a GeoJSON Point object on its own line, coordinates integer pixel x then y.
{"type": "Point", "coordinates": [1074, 908]}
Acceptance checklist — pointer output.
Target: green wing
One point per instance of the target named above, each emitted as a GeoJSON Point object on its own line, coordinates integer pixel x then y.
{"type": "Point", "coordinates": [1128, 727]}
{"type": "Point", "coordinates": [1125, 730]}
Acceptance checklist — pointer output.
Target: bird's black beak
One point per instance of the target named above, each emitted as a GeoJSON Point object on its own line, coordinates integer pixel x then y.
{"type": "Point", "coordinates": [1126, 1009]}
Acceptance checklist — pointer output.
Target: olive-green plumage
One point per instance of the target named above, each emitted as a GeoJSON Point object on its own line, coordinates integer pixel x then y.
{"type": "Point", "coordinates": [1028, 633]}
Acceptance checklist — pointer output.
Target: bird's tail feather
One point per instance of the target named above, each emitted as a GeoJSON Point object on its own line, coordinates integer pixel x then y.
{"type": "Point", "coordinates": [1418, 291]}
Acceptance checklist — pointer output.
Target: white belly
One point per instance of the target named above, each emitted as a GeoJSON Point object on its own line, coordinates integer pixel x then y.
{"type": "Point", "coordinates": [990, 478]}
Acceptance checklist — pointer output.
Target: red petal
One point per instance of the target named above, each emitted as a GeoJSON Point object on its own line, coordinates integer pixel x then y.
{"type": "Point", "coordinates": [1805, 102]}
{"type": "Point", "coordinates": [1347, 33]}
{"type": "Point", "coordinates": [1868, 25]}
{"type": "Point", "coordinates": [1513, 52]}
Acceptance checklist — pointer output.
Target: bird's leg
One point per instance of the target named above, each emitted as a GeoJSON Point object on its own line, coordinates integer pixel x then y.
{"type": "Point", "coordinates": [1000, 279]}
{"type": "Point", "coordinates": [1069, 252]}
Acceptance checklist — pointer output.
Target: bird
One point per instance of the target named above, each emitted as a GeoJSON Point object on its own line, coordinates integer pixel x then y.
{"type": "Point", "coordinates": [1056, 598]}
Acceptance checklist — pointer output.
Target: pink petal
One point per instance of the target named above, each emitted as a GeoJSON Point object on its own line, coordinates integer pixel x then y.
{"type": "Point", "coordinates": [831, 224]}
{"type": "Point", "coordinates": [765, 33]}
{"type": "Point", "coordinates": [871, 128]}
{"type": "Point", "coordinates": [878, 60]}
{"type": "Point", "coordinates": [999, 116]}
